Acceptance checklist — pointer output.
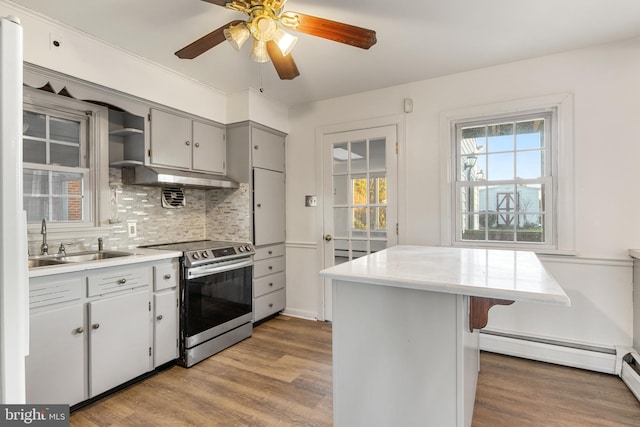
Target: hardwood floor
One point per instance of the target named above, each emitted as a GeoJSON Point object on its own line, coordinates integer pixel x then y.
{"type": "Point", "coordinates": [281, 376]}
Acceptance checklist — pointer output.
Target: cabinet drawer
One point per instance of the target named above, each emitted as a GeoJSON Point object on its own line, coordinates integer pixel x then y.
{"type": "Point", "coordinates": [269, 304]}
{"type": "Point", "coordinates": [270, 283]}
{"type": "Point", "coordinates": [268, 266]}
{"type": "Point", "coordinates": [165, 276]}
{"type": "Point", "coordinates": [117, 280]}
{"type": "Point", "coordinates": [45, 293]}
{"type": "Point", "coordinates": [268, 252]}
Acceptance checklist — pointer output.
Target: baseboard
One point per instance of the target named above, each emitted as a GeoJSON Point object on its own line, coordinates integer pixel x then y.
{"type": "Point", "coordinates": [552, 353]}
{"type": "Point", "coordinates": [303, 314]}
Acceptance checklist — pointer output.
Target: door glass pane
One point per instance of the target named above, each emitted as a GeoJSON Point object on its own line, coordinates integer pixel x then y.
{"type": "Point", "coordinates": [378, 190]}
{"type": "Point", "coordinates": [359, 156]}
{"type": "Point", "coordinates": [359, 190]}
{"type": "Point", "coordinates": [340, 158]}
{"type": "Point", "coordinates": [377, 154]}
{"type": "Point", "coordinates": [359, 248]}
{"type": "Point", "coordinates": [378, 245]}
{"type": "Point", "coordinates": [340, 190]}
{"type": "Point", "coordinates": [359, 226]}
{"type": "Point", "coordinates": [341, 222]}
{"type": "Point", "coordinates": [340, 250]}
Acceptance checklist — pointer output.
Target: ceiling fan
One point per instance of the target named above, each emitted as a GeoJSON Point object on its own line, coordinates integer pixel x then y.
{"type": "Point", "coordinates": [265, 24]}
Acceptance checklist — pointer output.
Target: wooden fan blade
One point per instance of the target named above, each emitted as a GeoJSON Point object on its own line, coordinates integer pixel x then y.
{"type": "Point", "coordinates": [332, 30]}
{"type": "Point", "coordinates": [285, 65]}
{"type": "Point", "coordinates": [205, 43]}
{"type": "Point", "coordinates": [218, 2]}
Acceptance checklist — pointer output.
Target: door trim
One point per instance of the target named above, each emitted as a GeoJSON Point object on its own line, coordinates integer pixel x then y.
{"type": "Point", "coordinates": [399, 121]}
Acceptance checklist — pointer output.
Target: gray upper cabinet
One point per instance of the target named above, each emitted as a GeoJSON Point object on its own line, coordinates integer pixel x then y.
{"type": "Point", "coordinates": [268, 207]}
{"type": "Point", "coordinates": [268, 150]}
{"type": "Point", "coordinates": [180, 142]}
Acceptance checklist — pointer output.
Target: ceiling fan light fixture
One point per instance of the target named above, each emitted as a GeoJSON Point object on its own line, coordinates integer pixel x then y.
{"type": "Point", "coordinates": [285, 41]}
{"type": "Point", "coordinates": [237, 35]}
{"type": "Point", "coordinates": [259, 51]}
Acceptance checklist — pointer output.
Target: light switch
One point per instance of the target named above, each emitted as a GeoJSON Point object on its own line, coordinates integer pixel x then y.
{"type": "Point", "coordinates": [311, 201]}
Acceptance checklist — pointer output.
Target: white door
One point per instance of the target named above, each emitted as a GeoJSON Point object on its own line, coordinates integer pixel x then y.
{"type": "Point", "coordinates": [360, 196]}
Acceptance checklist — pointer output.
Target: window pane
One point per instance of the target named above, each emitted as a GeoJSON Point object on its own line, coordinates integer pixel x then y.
{"type": "Point", "coordinates": [377, 245]}
{"type": "Point", "coordinates": [65, 155]}
{"type": "Point", "coordinates": [36, 207]}
{"type": "Point", "coordinates": [530, 164]}
{"type": "Point", "coordinates": [359, 156]}
{"type": "Point", "coordinates": [340, 158]}
{"type": "Point", "coordinates": [474, 133]}
{"type": "Point", "coordinates": [378, 190]}
{"type": "Point", "coordinates": [530, 228]}
{"type": "Point", "coordinates": [34, 124]}
{"type": "Point", "coordinates": [35, 182]}
{"type": "Point", "coordinates": [500, 138]}
{"type": "Point", "coordinates": [500, 166]}
{"type": "Point", "coordinates": [66, 209]}
{"type": "Point", "coordinates": [340, 190]}
{"type": "Point", "coordinates": [377, 152]}
{"type": "Point", "coordinates": [63, 183]}
{"type": "Point", "coordinates": [471, 229]}
{"type": "Point", "coordinates": [34, 151]}
{"type": "Point", "coordinates": [64, 130]}
{"type": "Point", "coordinates": [378, 218]}
{"type": "Point", "coordinates": [340, 251]}
{"type": "Point", "coordinates": [530, 134]}
{"type": "Point", "coordinates": [530, 200]}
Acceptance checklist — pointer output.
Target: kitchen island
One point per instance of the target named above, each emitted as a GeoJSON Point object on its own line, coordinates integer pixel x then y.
{"type": "Point", "coordinates": [405, 329]}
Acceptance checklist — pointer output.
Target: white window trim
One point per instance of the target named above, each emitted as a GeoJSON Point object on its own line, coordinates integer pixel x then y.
{"type": "Point", "coordinates": [564, 196]}
{"type": "Point", "coordinates": [98, 188]}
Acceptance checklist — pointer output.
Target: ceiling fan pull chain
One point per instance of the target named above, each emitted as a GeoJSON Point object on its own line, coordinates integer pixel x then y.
{"type": "Point", "coordinates": [261, 87]}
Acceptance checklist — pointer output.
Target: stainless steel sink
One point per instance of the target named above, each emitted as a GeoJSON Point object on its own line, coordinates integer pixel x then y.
{"type": "Point", "coordinates": [44, 261]}
{"type": "Point", "coordinates": [50, 260]}
{"type": "Point", "coordinates": [93, 256]}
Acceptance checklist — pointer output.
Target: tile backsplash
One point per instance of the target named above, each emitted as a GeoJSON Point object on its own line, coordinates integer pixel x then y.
{"type": "Point", "coordinates": [216, 214]}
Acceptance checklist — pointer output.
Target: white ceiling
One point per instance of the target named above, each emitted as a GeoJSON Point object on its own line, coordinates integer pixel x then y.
{"type": "Point", "coordinates": [417, 39]}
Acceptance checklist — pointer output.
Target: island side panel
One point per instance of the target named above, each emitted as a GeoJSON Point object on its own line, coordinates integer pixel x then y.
{"type": "Point", "coordinates": [396, 358]}
{"type": "Point", "coordinates": [468, 363]}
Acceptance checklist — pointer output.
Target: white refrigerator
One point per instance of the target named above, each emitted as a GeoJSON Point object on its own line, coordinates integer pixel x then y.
{"type": "Point", "coordinates": [14, 280]}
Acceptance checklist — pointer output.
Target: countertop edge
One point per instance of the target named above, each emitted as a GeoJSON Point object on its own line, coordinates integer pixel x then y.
{"type": "Point", "coordinates": [139, 255]}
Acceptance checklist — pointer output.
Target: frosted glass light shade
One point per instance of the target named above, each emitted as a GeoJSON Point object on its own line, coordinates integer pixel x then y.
{"type": "Point", "coordinates": [285, 41]}
{"type": "Point", "coordinates": [259, 51]}
{"type": "Point", "coordinates": [236, 35]}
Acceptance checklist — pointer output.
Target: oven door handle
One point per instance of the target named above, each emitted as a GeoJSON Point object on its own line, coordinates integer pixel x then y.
{"type": "Point", "coordinates": [220, 267]}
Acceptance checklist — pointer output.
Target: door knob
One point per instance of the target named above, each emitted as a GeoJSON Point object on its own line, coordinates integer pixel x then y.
{"type": "Point", "coordinates": [328, 237]}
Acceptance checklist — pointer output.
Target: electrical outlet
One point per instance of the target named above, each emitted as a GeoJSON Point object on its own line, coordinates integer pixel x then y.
{"type": "Point", "coordinates": [132, 229]}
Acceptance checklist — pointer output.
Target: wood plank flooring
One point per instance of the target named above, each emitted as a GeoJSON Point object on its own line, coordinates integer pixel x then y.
{"type": "Point", "coordinates": [281, 376]}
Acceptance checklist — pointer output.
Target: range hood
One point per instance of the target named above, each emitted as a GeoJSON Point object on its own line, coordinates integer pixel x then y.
{"type": "Point", "coordinates": [165, 177]}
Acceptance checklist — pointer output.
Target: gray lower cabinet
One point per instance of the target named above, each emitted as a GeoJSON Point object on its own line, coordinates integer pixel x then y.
{"type": "Point", "coordinates": [268, 281]}
{"type": "Point", "coordinates": [165, 313]}
{"type": "Point", "coordinates": [91, 331]}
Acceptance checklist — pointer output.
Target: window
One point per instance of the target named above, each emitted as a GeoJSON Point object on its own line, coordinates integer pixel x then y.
{"type": "Point", "coordinates": [504, 185]}
{"type": "Point", "coordinates": [56, 169]}
{"type": "Point", "coordinates": [64, 141]}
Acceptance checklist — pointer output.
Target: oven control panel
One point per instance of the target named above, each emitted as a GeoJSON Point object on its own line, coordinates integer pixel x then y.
{"type": "Point", "coordinates": [202, 256]}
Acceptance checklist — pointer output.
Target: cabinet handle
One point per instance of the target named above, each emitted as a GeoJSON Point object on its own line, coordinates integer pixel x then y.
{"type": "Point", "coordinates": [259, 205]}
{"type": "Point", "coordinates": [122, 281]}
{"type": "Point", "coordinates": [255, 147]}
{"type": "Point", "coordinates": [271, 267]}
{"type": "Point", "coordinates": [270, 305]}
{"type": "Point", "coordinates": [79, 330]}
{"type": "Point", "coordinates": [270, 284]}
{"type": "Point", "coordinates": [197, 144]}
{"type": "Point", "coordinates": [270, 252]}
{"type": "Point", "coordinates": [187, 142]}
{"type": "Point", "coordinates": [159, 317]}
{"type": "Point", "coordinates": [95, 325]}
{"type": "Point", "coordinates": [167, 276]}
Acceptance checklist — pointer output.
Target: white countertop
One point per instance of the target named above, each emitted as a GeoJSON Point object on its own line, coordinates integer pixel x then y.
{"type": "Point", "coordinates": [503, 274]}
{"type": "Point", "coordinates": [139, 255]}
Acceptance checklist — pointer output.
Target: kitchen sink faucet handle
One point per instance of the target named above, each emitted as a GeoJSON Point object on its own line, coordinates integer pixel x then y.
{"type": "Point", "coordinates": [100, 244]}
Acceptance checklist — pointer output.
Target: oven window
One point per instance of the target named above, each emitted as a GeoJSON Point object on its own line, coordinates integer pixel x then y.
{"type": "Point", "coordinates": [216, 299]}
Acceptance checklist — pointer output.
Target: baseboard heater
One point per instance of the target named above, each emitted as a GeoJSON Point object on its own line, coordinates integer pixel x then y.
{"type": "Point", "coordinates": [631, 373]}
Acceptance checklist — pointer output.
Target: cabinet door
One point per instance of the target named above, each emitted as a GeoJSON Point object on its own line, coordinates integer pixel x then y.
{"type": "Point", "coordinates": [209, 148]}
{"type": "Point", "coordinates": [268, 150]}
{"type": "Point", "coordinates": [170, 140]}
{"type": "Point", "coordinates": [55, 367]}
{"type": "Point", "coordinates": [165, 332]}
{"type": "Point", "coordinates": [119, 347]}
{"type": "Point", "coordinates": [268, 207]}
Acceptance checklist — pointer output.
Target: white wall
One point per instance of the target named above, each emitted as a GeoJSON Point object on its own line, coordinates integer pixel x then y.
{"type": "Point", "coordinates": [604, 81]}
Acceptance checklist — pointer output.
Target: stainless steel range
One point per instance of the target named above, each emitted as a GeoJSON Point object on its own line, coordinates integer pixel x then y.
{"type": "Point", "coordinates": [215, 296]}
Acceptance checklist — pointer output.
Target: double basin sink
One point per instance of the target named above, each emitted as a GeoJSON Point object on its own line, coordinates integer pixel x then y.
{"type": "Point", "coordinates": [58, 259]}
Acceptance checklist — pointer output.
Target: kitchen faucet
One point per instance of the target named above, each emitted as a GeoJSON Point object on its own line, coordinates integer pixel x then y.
{"type": "Point", "coordinates": [44, 248]}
